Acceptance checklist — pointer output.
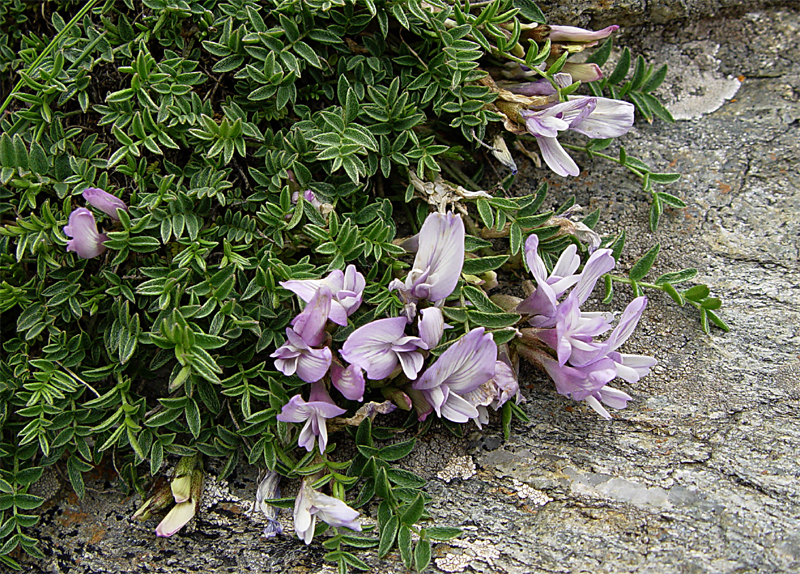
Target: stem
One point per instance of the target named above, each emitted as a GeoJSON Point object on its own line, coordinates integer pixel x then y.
{"type": "Point", "coordinates": [38, 61]}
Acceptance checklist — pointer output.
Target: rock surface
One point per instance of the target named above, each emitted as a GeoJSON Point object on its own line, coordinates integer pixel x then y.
{"type": "Point", "coordinates": [700, 473]}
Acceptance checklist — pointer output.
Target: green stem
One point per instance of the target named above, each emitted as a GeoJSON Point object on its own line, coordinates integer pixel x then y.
{"type": "Point", "coordinates": [38, 61]}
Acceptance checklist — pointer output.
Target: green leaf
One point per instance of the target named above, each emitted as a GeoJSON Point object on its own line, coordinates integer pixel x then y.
{"type": "Point", "coordinates": [483, 264]}
{"type": "Point", "coordinates": [404, 545]}
{"type": "Point", "coordinates": [601, 55]}
{"type": "Point", "coordinates": [414, 511]}
{"type": "Point", "coordinates": [388, 535]}
{"type": "Point", "coordinates": [716, 320]}
{"type": "Point", "coordinates": [697, 293]}
{"type": "Point", "coordinates": [642, 267]}
{"type": "Point", "coordinates": [622, 67]}
{"type": "Point", "coordinates": [396, 451]}
{"type": "Point", "coordinates": [530, 10]}
{"type": "Point", "coordinates": [422, 555]}
{"type": "Point", "coordinates": [677, 276]}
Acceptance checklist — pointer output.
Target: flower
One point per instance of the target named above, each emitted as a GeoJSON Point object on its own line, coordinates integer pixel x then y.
{"type": "Point", "coordinates": [86, 241]}
{"type": "Point", "coordinates": [311, 504]}
{"type": "Point", "coordinates": [542, 303]}
{"type": "Point", "coordinates": [104, 201]}
{"type": "Point", "coordinates": [591, 116]}
{"type": "Point", "coordinates": [314, 412]}
{"type": "Point", "coordinates": [347, 289]}
{"type": "Point", "coordinates": [431, 326]}
{"type": "Point", "coordinates": [573, 34]}
{"type": "Point", "coordinates": [298, 354]}
{"type": "Point", "coordinates": [463, 367]}
{"type": "Point", "coordinates": [437, 265]}
{"type": "Point", "coordinates": [377, 347]}
{"type": "Point", "coordinates": [269, 488]}
{"type": "Point", "coordinates": [183, 512]}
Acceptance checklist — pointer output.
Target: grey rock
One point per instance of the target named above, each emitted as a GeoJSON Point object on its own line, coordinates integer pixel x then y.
{"type": "Point", "coordinates": [700, 473]}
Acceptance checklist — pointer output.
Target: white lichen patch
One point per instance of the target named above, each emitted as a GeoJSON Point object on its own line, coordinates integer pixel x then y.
{"type": "Point", "coordinates": [534, 497]}
{"type": "Point", "coordinates": [462, 467]}
{"type": "Point", "coordinates": [480, 550]}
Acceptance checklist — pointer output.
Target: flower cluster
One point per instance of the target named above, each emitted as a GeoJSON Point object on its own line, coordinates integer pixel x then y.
{"type": "Point", "coordinates": [582, 366]}
{"type": "Point", "coordinates": [85, 240]}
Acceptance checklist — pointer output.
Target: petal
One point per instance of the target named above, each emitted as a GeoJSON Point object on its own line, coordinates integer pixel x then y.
{"type": "Point", "coordinates": [568, 263]}
{"type": "Point", "coordinates": [431, 327]}
{"type": "Point", "coordinates": [349, 381]}
{"type": "Point", "coordinates": [369, 346]}
{"type": "Point", "coordinates": [176, 518]}
{"type": "Point", "coordinates": [86, 241]}
{"type": "Point", "coordinates": [464, 366]}
{"type": "Point", "coordinates": [313, 364]}
{"type": "Point", "coordinates": [614, 397]}
{"type": "Point", "coordinates": [600, 262]}
{"type": "Point", "coordinates": [556, 158]}
{"type": "Point", "coordinates": [411, 363]}
{"type": "Point", "coordinates": [335, 512]}
{"type": "Point", "coordinates": [610, 119]}
{"type": "Point", "coordinates": [441, 249]}
{"type": "Point", "coordinates": [310, 323]}
{"type": "Point", "coordinates": [458, 409]}
{"type": "Point", "coordinates": [295, 411]}
{"type": "Point", "coordinates": [104, 201]}
{"type": "Point", "coordinates": [583, 72]}
{"type": "Point", "coordinates": [595, 404]}
{"type": "Point", "coordinates": [573, 34]}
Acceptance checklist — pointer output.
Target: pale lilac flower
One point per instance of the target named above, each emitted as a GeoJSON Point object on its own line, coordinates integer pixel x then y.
{"type": "Point", "coordinates": [379, 346]}
{"type": "Point", "coordinates": [542, 303]}
{"type": "Point", "coordinates": [609, 395]}
{"type": "Point", "coordinates": [314, 412]}
{"type": "Point", "coordinates": [582, 72]}
{"type": "Point", "coordinates": [437, 265]}
{"type": "Point", "coordinates": [349, 381]}
{"type": "Point", "coordinates": [104, 201]}
{"type": "Point", "coordinates": [584, 354]}
{"type": "Point", "coordinates": [86, 241]}
{"type": "Point", "coordinates": [579, 382]}
{"type": "Point", "coordinates": [573, 335]}
{"type": "Point", "coordinates": [309, 196]}
{"type": "Point", "coordinates": [298, 354]}
{"type": "Point", "coordinates": [311, 504]}
{"type": "Point", "coordinates": [346, 287]}
{"type": "Point", "coordinates": [632, 367]}
{"type": "Point", "coordinates": [573, 34]}
{"type": "Point", "coordinates": [587, 115]}
{"type": "Point", "coordinates": [463, 367]}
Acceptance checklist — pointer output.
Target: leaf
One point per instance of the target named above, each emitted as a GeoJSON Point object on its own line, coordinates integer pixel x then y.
{"type": "Point", "coordinates": [388, 535]}
{"type": "Point", "coordinates": [601, 55]}
{"type": "Point", "coordinates": [677, 276]}
{"type": "Point", "coordinates": [414, 511]}
{"type": "Point", "coordinates": [404, 545]}
{"type": "Point", "coordinates": [483, 264]}
{"type": "Point", "coordinates": [622, 67]}
{"type": "Point", "coordinates": [642, 267]}
{"type": "Point", "coordinates": [697, 293]}
{"type": "Point", "coordinates": [422, 555]}
{"type": "Point", "coordinates": [530, 10]}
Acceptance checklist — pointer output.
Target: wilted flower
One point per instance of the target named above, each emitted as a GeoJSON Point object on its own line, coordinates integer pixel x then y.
{"type": "Point", "coordinates": [311, 504]}
{"type": "Point", "coordinates": [183, 512]}
{"type": "Point", "coordinates": [314, 412]}
{"type": "Point", "coordinates": [104, 201]}
{"type": "Point", "coordinates": [379, 346]}
{"type": "Point", "coordinates": [463, 367]}
{"type": "Point", "coordinates": [269, 488]}
{"type": "Point", "coordinates": [298, 354]}
{"type": "Point", "coordinates": [346, 287]}
{"type": "Point", "coordinates": [437, 265]}
{"type": "Point", "coordinates": [86, 241]}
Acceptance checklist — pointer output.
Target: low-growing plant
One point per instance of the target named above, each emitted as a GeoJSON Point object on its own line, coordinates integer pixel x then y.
{"type": "Point", "coordinates": [233, 229]}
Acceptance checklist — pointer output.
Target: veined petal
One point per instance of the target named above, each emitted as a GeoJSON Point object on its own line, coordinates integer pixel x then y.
{"type": "Point", "coordinates": [86, 241]}
{"type": "Point", "coordinates": [441, 249]}
{"type": "Point", "coordinates": [295, 411]}
{"type": "Point", "coordinates": [411, 363]}
{"type": "Point", "coordinates": [458, 409]}
{"type": "Point", "coordinates": [431, 327]}
{"type": "Point", "coordinates": [600, 262]}
{"type": "Point", "coordinates": [610, 119]}
{"type": "Point", "coordinates": [370, 346]}
{"type": "Point", "coordinates": [464, 366]}
{"type": "Point", "coordinates": [349, 381]}
{"type": "Point", "coordinates": [556, 158]}
{"type": "Point", "coordinates": [614, 397]}
{"type": "Point", "coordinates": [310, 323]}
{"type": "Point", "coordinates": [104, 201]}
{"type": "Point", "coordinates": [176, 518]}
{"type": "Point", "coordinates": [573, 34]}
{"type": "Point", "coordinates": [313, 364]}
{"type": "Point", "coordinates": [567, 263]}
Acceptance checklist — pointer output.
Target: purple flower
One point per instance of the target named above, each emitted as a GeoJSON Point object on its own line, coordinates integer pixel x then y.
{"type": "Point", "coordinates": [572, 34]}
{"type": "Point", "coordinates": [579, 382]}
{"type": "Point", "coordinates": [437, 265]}
{"type": "Point", "coordinates": [574, 334]}
{"type": "Point", "coordinates": [349, 381]}
{"type": "Point", "coordinates": [311, 505]}
{"type": "Point", "coordinates": [314, 412]}
{"type": "Point", "coordinates": [346, 287]}
{"type": "Point", "coordinates": [86, 241]}
{"type": "Point", "coordinates": [463, 367]}
{"type": "Point", "coordinates": [104, 201]}
{"type": "Point", "coordinates": [298, 354]}
{"type": "Point", "coordinates": [542, 303]}
{"type": "Point", "coordinates": [609, 395]}
{"type": "Point", "coordinates": [590, 116]}
{"type": "Point", "coordinates": [377, 348]}
{"type": "Point", "coordinates": [585, 354]}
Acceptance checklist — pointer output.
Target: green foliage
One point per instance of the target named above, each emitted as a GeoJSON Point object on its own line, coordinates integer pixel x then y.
{"type": "Point", "coordinates": [211, 120]}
